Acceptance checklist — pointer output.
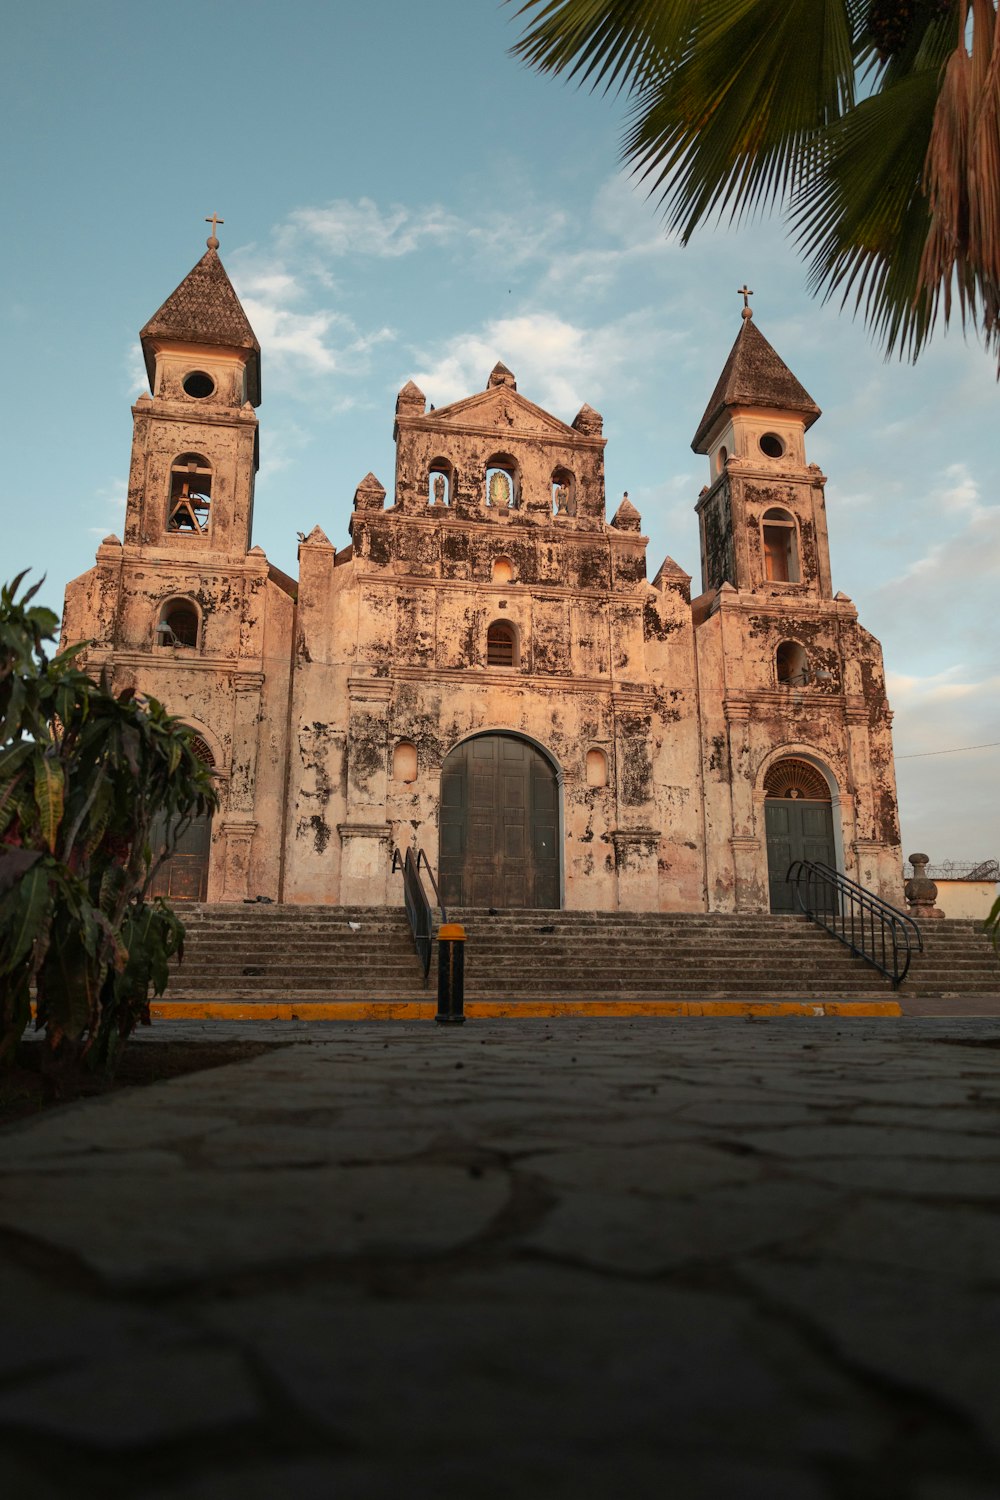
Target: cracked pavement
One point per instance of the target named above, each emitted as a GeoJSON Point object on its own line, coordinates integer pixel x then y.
{"type": "Point", "coordinates": [577, 1258]}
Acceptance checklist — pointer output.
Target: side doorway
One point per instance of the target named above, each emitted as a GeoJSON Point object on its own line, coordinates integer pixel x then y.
{"type": "Point", "coordinates": [184, 877]}
{"type": "Point", "coordinates": [499, 825]}
{"type": "Point", "coordinates": [798, 819]}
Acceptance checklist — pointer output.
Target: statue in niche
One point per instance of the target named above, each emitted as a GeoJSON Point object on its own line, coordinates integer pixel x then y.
{"type": "Point", "coordinates": [440, 490]}
{"type": "Point", "coordinates": [562, 499]}
{"type": "Point", "coordinates": [500, 493]}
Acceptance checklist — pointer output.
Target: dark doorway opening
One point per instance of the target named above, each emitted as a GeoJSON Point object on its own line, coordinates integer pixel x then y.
{"type": "Point", "coordinates": [798, 817]}
{"type": "Point", "coordinates": [499, 825]}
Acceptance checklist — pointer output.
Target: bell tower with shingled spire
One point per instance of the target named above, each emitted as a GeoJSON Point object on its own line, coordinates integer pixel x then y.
{"type": "Point", "coordinates": [763, 515]}
{"type": "Point", "coordinates": [194, 451]}
{"type": "Point", "coordinates": [187, 610]}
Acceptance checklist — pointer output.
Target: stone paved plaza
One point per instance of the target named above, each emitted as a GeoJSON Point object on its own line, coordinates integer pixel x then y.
{"type": "Point", "coordinates": [744, 1260]}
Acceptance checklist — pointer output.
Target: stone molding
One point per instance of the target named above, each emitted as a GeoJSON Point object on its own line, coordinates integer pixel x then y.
{"type": "Point", "coordinates": [248, 682]}
{"type": "Point", "coordinates": [380, 831]}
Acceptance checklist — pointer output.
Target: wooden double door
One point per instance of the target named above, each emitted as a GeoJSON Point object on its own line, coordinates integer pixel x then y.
{"type": "Point", "coordinates": [499, 825]}
{"type": "Point", "coordinates": [184, 876]}
{"type": "Point", "coordinates": [796, 829]}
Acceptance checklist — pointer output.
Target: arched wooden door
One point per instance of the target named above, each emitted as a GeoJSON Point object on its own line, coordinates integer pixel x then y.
{"type": "Point", "coordinates": [184, 877]}
{"type": "Point", "coordinates": [499, 825]}
{"type": "Point", "coordinates": [798, 816]}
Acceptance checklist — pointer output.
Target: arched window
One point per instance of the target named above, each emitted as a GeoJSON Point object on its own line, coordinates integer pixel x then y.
{"type": "Point", "coordinates": [190, 495]}
{"type": "Point", "coordinates": [503, 570]}
{"type": "Point", "coordinates": [179, 624]}
{"type": "Point", "coordinates": [597, 768]}
{"type": "Point", "coordinates": [563, 492]}
{"type": "Point", "coordinates": [780, 542]}
{"type": "Point", "coordinates": [404, 762]}
{"type": "Point", "coordinates": [503, 482]}
{"type": "Point", "coordinates": [439, 481]}
{"type": "Point", "coordinates": [721, 459]}
{"type": "Point", "coordinates": [791, 664]}
{"type": "Point", "coordinates": [501, 645]}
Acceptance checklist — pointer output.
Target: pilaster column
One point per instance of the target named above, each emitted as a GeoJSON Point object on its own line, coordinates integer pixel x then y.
{"type": "Point", "coordinates": [247, 688]}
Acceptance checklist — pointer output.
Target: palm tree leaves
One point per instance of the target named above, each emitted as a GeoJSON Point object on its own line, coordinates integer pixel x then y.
{"type": "Point", "coordinates": [887, 160]}
{"type": "Point", "coordinates": [861, 218]}
{"type": "Point", "coordinates": [729, 128]}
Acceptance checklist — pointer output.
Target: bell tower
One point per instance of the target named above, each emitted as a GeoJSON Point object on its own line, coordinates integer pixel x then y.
{"type": "Point", "coordinates": [194, 449]}
{"type": "Point", "coordinates": [763, 513]}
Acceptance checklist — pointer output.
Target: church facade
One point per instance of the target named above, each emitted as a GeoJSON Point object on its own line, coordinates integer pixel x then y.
{"type": "Point", "coordinates": [484, 670]}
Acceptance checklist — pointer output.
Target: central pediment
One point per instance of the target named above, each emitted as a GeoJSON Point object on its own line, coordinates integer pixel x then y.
{"type": "Point", "coordinates": [499, 409]}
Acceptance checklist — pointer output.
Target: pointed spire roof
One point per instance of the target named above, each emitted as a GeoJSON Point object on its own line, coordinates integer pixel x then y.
{"type": "Point", "coordinates": [205, 309]}
{"type": "Point", "coordinates": [500, 375]}
{"type": "Point", "coordinates": [754, 375]}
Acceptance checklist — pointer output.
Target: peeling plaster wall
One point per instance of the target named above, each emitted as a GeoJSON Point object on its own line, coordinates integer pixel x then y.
{"type": "Point", "coordinates": [305, 695]}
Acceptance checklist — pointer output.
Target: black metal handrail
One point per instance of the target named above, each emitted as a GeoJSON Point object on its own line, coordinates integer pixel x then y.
{"type": "Point", "coordinates": [418, 907]}
{"type": "Point", "coordinates": [872, 928]}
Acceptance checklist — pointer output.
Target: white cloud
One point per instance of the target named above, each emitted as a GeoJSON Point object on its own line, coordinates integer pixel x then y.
{"type": "Point", "coordinates": [558, 363]}
{"type": "Point", "coordinates": [362, 228]}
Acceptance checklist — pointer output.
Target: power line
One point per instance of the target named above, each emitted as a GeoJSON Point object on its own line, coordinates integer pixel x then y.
{"type": "Point", "coordinates": [920, 754]}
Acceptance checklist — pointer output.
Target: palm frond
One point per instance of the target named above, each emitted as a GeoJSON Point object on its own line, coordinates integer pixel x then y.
{"type": "Point", "coordinates": [861, 217]}
{"type": "Point", "coordinates": [730, 127]}
{"type": "Point", "coordinates": [607, 44]}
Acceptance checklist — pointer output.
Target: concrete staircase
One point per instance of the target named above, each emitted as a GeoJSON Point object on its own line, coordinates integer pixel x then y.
{"type": "Point", "coordinates": [326, 954]}
{"type": "Point", "coordinates": [958, 960]}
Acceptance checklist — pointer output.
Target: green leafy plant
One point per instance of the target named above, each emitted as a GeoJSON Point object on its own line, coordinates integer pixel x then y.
{"type": "Point", "coordinates": [84, 777]}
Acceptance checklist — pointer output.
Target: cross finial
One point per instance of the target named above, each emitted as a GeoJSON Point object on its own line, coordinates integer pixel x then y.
{"type": "Point", "coordinates": [213, 240]}
{"type": "Point", "coordinates": [746, 294]}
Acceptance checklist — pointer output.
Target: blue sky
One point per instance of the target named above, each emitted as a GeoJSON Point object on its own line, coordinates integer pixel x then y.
{"type": "Point", "coordinates": [403, 199]}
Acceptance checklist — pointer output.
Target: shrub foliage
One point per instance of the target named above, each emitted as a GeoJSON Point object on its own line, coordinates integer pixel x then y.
{"type": "Point", "coordinates": [84, 777]}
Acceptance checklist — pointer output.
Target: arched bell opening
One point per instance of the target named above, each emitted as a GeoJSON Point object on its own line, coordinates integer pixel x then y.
{"type": "Point", "coordinates": [500, 821]}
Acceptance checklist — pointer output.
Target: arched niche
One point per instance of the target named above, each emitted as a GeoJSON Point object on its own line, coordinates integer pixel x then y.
{"type": "Point", "coordinates": [404, 761]}
{"type": "Point", "coordinates": [563, 485]}
{"type": "Point", "coordinates": [179, 624]}
{"type": "Point", "coordinates": [440, 481]}
{"type": "Point", "coordinates": [791, 664]}
{"type": "Point", "coordinates": [502, 570]}
{"type": "Point", "coordinates": [503, 482]}
{"type": "Point", "coordinates": [597, 768]}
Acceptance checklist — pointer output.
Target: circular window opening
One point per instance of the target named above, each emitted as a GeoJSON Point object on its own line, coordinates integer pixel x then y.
{"type": "Point", "coordinates": [198, 384]}
{"type": "Point", "coordinates": [771, 444]}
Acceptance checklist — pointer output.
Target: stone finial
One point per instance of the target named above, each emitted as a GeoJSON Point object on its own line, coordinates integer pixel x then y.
{"type": "Point", "coordinates": [626, 517]}
{"type": "Point", "coordinates": [316, 538]}
{"type": "Point", "coordinates": [411, 400]}
{"type": "Point", "coordinates": [500, 375]}
{"type": "Point", "coordinates": [920, 891]}
{"type": "Point", "coordinates": [370, 494]}
{"type": "Point", "coordinates": [111, 540]}
{"type": "Point", "coordinates": [588, 421]}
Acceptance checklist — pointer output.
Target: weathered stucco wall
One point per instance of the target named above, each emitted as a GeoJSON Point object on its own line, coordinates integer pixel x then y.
{"type": "Point", "coordinates": [330, 707]}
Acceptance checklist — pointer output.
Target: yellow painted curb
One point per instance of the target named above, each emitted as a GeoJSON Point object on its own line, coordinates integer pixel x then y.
{"type": "Point", "coordinates": [410, 1010]}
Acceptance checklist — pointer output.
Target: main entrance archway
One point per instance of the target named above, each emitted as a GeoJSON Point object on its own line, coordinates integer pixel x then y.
{"type": "Point", "coordinates": [184, 876]}
{"type": "Point", "coordinates": [798, 817]}
{"type": "Point", "coordinates": [499, 825]}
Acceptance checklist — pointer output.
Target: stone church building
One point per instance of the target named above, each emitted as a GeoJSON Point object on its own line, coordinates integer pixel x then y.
{"type": "Point", "coordinates": [484, 670]}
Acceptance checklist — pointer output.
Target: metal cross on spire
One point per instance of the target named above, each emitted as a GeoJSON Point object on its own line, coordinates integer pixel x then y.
{"type": "Point", "coordinates": [215, 221]}
{"type": "Point", "coordinates": [746, 294]}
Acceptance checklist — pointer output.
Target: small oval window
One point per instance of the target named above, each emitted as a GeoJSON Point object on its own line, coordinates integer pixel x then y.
{"type": "Point", "coordinates": [771, 444]}
{"type": "Point", "coordinates": [198, 384]}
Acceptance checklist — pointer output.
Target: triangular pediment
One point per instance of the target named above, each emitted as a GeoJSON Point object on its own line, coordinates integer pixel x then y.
{"type": "Point", "coordinates": [499, 409]}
